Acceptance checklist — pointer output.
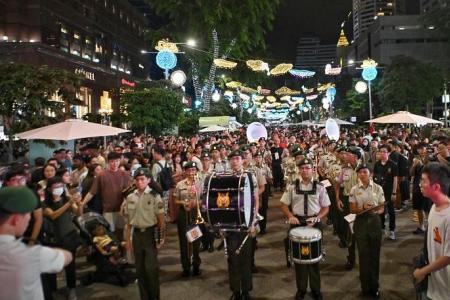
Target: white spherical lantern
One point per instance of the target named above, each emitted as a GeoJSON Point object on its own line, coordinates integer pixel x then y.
{"type": "Point", "coordinates": [326, 106]}
{"type": "Point", "coordinates": [305, 109]}
{"type": "Point", "coordinates": [234, 105]}
{"type": "Point", "coordinates": [178, 78]}
{"type": "Point", "coordinates": [250, 110]}
{"type": "Point", "coordinates": [325, 100]}
{"type": "Point", "coordinates": [215, 96]}
{"type": "Point", "coordinates": [298, 112]}
{"type": "Point", "coordinates": [361, 87]}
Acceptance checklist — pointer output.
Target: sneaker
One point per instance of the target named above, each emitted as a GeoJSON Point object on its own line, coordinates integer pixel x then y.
{"type": "Point", "coordinates": [72, 295]}
{"type": "Point", "coordinates": [418, 231]}
{"type": "Point", "coordinates": [392, 235]}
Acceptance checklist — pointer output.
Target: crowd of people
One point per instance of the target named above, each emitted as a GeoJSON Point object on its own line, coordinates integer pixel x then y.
{"type": "Point", "coordinates": [125, 194]}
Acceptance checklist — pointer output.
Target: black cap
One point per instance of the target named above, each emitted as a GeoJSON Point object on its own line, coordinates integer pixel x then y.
{"type": "Point", "coordinates": [142, 172]}
{"type": "Point", "coordinates": [258, 153]}
{"type": "Point", "coordinates": [341, 148]}
{"type": "Point", "coordinates": [305, 161]}
{"type": "Point", "coordinates": [331, 142]}
{"type": "Point", "coordinates": [235, 153]}
{"type": "Point", "coordinates": [362, 166]}
{"type": "Point", "coordinates": [190, 164]}
{"type": "Point", "coordinates": [298, 152]}
{"type": "Point", "coordinates": [261, 139]}
{"type": "Point", "coordinates": [204, 155]}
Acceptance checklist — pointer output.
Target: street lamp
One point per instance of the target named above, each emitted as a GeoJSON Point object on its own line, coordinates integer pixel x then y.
{"type": "Point", "coordinates": [191, 43]}
{"type": "Point", "coordinates": [369, 73]}
{"type": "Point", "coordinates": [445, 100]}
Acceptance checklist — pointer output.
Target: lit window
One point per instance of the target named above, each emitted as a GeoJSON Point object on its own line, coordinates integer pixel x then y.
{"type": "Point", "coordinates": [113, 66]}
{"type": "Point", "coordinates": [63, 29]}
{"type": "Point", "coordinates": [88, 41]}
{"type": "Point", "coordinates": [76, 35]}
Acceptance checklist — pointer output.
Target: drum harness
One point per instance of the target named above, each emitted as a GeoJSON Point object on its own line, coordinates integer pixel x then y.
{"type": "Point", "coordinates": [302, 219]}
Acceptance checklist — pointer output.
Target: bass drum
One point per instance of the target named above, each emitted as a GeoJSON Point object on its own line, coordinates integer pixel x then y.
{"type": "Point", "coordinates": [229, 201]}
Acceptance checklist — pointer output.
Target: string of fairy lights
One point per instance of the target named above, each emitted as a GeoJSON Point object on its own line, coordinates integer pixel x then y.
{"type": "Point", "coordinates": [267, 104]}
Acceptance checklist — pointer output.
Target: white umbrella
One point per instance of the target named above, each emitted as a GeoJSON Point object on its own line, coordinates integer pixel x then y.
{"type": "Point", "coordinates": [404, 117]}
{"type": "Point", "coordinates": [342, 122]}
{"type": "Point", "coordinates": [71, 129]}
{"type": "Point", "coordinates": [213, 128]}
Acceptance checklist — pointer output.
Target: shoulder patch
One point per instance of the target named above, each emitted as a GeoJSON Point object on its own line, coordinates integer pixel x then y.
{"type": "Point", "coordinates": [160, 205]}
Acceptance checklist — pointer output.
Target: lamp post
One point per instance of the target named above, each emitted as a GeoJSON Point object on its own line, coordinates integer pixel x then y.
{"type": "Point", "coordinates": [445, 99]}
{"type": "Point", "coordinates": [369, 73]}
{"type": "Point", "coordinates": [105, 113]}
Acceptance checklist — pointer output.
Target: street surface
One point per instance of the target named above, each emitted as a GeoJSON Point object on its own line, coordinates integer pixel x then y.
{"type": "Point", "coordinates": [274, 280]}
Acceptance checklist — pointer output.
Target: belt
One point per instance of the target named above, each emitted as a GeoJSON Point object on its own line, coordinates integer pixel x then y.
{"type": "Point", "coordinates": [143, 229]}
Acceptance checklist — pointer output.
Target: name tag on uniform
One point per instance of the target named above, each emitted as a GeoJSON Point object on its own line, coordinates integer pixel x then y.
{"type": "Point", "coordinates": [276, 156]}
{"type": "Point", "coordinates": [194, 234]}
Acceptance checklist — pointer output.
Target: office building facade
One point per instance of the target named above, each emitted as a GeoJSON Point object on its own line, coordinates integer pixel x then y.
{"type": "Point", "coordinates": [99, 39]}
{"type": "Point", "coordinates": [312, 54]}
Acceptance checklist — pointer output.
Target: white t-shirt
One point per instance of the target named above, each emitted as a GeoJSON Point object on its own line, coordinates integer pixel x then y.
{"type": "Point", "coordinates": [21, 267]}
{"type": "Point", "coordinates": [438, 243]}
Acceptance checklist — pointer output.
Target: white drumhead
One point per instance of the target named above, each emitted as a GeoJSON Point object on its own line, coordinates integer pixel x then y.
{"type": "Point", "coordinates": [305, 232]}
{"type": "Point", "coordinates": [247, 200]}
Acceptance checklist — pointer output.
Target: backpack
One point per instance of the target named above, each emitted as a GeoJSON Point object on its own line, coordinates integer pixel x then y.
{"type": "Point", "coordinates": [165, 177]}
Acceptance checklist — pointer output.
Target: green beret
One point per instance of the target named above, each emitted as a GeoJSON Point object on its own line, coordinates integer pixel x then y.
{"type": "Point", "coordinates": [362, 166]}
{"type": "Point", "coordinates": [190, 164]}
{"type": "Point", "coordinates": [305, 161]}
{"type": "Point", "coordinates": [17, 200]}
{"type": "Point", "coordinates": [355, 150]}
{"type": "Point", "coordinates": [258, 153]}
{"type": "Point", "coordinates": [142, 172]}
{"type": "Point", "coordinates": [214, 147]}
{"type": "Point", "coordinates": [341, 148]}
{"type": "Point", "coordinates": [298, 152]}
{"type": "Point", "coordinates": [235, 153]}
{"type": "Point", "coordinates": [205, 155]}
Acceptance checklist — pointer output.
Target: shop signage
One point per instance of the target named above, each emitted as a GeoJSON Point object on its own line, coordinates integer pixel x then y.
{"type": "Point", "coordinates": [126, 82]}
{"type": "Point", "coordinates": [87, 74]}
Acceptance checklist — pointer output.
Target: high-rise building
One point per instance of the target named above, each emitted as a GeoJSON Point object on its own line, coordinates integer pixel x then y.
{"type": "Point", "coordinates": [100, 39]}
{"type": "Point", "coordinates": [426, 5]}
{"type": "Point", "coordinates": [366, 11]}
{"type": "Point", "coordinates": [311, 54]}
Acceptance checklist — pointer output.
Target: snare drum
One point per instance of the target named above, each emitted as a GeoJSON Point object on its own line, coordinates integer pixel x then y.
{"type": "Point", "coordinates": [305, 245]}
{"type": "Point", "coordinates": [229, 203]}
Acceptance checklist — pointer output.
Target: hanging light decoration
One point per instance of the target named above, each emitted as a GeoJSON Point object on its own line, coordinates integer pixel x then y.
{"type": "Point", "coordinates": [258, 65]}
{"type": "Point", "coordinates": [271, 98]}
{"type": "Point", "coordinates": [165, 45]}
{"type": "Point", "coordinates": [178, 78]}
{"type": "Point", "coordinates": [302, 73]}
{"type": "Point", "coordinates": [224, 64]}
{"type": "Point", "coordinates": [248, 90]}
{"type": "Point", "coordinates": [281, 69]}
{"type": "Point", "coordinates": [233, 84]}
{"type": "Point", "coordinates": [286, 91]}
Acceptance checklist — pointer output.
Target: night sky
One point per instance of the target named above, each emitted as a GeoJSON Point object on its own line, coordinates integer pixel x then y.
{"type": "Point", "coordinates": [305, 18]}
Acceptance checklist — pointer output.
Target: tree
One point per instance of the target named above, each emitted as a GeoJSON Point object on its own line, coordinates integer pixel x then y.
{"type": "Point", "coordinates": [408, 84]}
{"type": "Point", "coordinates": [188, 123]}
{"type": "Point", "coordinates": [241, 26]}
{"type": "Point", "coordinates": [152, 106]}
{"type": "Point", "coordinates": [25, 93]}
{"type": "Point", "coordinates": [243, 21]}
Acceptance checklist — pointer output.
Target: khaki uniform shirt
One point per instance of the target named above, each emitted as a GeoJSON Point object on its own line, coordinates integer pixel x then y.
{"type": "Point", "coordinates": [348, 179]}
{"type": "Point", "coordinates": [373, 194]}
{"type": "Point", "coordinates": [185, 191]}
{"type": "Point", "coordinates": [257, 172]}
{"type": "Point", "coordinates": [220, 166]}
{"type": "Point", "coordinates": [315, 201]}
{"type": "Point", "coordinates": [143, 209]}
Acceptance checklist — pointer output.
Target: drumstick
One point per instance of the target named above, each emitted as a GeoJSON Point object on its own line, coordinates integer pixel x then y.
{"type": "Point", "coordinates": [372, 208]}
{"type": "Point", "coordinates": [238, 250]}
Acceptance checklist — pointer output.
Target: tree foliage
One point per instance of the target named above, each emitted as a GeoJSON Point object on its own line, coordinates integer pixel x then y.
{"type": "Point", "coordinates": [409, 84]}
{"type": "Point", "coordinates": [245, 21]}
{"type": "Point", "coordinates": [188, 123]}
{"type": "Point", "coordinates": [152, 106]}
{"type": "Point", "coordinates": [25, 93]}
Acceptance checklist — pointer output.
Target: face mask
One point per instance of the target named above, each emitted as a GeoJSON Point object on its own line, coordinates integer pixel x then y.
{"type": "Point", "coordinates": [58, 191]}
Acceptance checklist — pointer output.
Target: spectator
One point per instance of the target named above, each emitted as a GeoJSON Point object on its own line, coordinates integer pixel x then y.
{"type": "Point", "coordinates": [435, 185]}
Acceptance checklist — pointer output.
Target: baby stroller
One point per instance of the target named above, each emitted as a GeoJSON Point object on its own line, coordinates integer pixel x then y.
{"type": "Point", "coordinates": [106, 271]}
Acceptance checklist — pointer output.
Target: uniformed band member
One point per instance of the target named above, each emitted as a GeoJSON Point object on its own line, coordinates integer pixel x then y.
{"type": "Point", "coordinates": [347, 178]}
{"type": "Point", "coordinates": [240, 265]}
{"type": "Point", "coordinates": [144, 209]}
{"type": "Point", "coordinates": [187, 197]}
{"type": "Point", "coordinates": [208, 236]}
{"type": "Point", "coordinates": [306, 213]}
{"type": "Point", "coordinates": [365, 197]}
{"type": "Point", "coordinates": [217, 164]}
{"type": "Point", "coordinates": [266, 173]}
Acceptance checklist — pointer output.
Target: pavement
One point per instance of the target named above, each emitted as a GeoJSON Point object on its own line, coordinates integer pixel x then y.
{"type": "Point", "coordinates": [274, 280]}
